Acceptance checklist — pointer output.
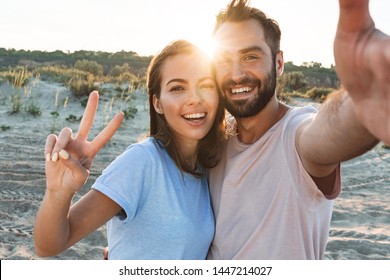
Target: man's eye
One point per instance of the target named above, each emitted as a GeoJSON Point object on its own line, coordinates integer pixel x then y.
{"type": "Point", "coordinates": [251, 57]}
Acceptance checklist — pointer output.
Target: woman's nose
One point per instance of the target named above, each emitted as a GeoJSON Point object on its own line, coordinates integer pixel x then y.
{"type": "Point", "coordinates": [194, 97]}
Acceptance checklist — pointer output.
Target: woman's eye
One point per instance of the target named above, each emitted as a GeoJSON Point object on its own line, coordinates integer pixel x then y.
{"type": "Point", "coordinates": [176, 88]}
{"type": "Point", "coordinates": [207, 86]}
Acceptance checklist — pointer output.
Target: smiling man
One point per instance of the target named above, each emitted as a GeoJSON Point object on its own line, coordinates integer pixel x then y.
{"type": "Point", "coordinates": [273, 191]}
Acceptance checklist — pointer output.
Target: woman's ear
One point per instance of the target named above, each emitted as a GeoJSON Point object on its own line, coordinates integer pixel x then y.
{"type": "Point", "coordinates": [157, 105]}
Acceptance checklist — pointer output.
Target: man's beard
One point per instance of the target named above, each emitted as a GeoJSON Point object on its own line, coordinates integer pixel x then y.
{"type": "Point", "coordinates": [250, 108]}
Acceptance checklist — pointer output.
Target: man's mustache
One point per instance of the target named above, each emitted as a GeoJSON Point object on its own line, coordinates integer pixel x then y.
{"type": "Point", "coordinates": [246, 81]}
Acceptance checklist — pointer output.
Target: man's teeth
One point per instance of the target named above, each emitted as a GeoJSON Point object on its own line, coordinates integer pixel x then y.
{"type": "Point", "coordinates": [241, 90]}
{"type": "Point", "coordinates": [195, 116]}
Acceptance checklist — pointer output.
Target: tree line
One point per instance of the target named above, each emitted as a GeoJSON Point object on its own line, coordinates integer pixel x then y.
{"type": "Point", "coordinates": [310, 79]}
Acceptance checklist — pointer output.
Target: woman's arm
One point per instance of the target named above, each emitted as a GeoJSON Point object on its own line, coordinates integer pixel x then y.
{"type": "Point", "coordinates": [68, 160]}
{"type": "Point", "coordinates": [59, 226]}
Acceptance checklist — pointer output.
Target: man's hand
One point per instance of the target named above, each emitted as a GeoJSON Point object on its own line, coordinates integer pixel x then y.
{"type": "Point", "coordinates": [362, 55]}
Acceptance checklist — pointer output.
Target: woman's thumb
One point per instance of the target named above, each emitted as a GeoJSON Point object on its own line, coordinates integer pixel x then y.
{"type": "Point", "coordinates": [72, 164]}
{"type": "Point", "coordinates": [64, 154]}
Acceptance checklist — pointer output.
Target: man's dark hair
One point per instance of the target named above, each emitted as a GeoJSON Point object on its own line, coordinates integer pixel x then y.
{"type": "Point", "coordinates": [240, 10]}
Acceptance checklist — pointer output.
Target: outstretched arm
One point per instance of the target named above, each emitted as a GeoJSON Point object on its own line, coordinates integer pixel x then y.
{"type": "Point", "coordinates": [68, 160]}
{"type": "Point", "coordinates": [362, 55]}
{"type": "Point", "coordinates": [351, 122]}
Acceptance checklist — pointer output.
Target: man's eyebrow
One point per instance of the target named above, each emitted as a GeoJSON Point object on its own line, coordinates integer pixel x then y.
{"type": "Point", "coordinates": [177, 81]}
{"type": "Point", "coordinates": [242, 51]}
{"type": "Point", "coordinates": [251, 49]}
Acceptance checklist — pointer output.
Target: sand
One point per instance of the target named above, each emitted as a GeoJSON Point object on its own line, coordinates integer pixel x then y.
{"type": "Point", "coordinates": [22, 177]}
{"type": "Point", "coordinates": [360, 225]}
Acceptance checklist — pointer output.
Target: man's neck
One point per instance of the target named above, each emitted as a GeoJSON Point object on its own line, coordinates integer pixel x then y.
{"type": "Point", "coordinates": [252, 129]}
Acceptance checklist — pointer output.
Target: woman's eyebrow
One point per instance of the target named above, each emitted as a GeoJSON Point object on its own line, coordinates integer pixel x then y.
{"type": "Point", "coordinates": [177, 81]}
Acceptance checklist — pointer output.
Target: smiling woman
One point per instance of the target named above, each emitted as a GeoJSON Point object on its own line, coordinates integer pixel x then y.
{"type": "Point", "coordinates": [155, 195]}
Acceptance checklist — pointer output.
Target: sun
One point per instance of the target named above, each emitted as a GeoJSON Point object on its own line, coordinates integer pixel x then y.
{"type": "Point", "coordinates": [206, 44]}
{"type": "Point", "coordinates": [200, 34]}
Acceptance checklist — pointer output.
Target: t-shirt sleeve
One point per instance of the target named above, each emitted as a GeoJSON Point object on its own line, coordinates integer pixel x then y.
{"type": "Point", "coordinates": [308, 190]}
{"type": "Point", "coordinates": [125, 181]}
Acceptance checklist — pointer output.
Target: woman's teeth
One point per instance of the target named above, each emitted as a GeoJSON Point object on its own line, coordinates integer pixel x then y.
{"type": "Point", "coordinates": [194, 116]}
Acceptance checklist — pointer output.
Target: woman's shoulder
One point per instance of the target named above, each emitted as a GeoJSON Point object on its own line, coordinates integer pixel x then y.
{"type": "Point", "coordinates": [147, 147]}
{"type": "Point", "coordinates": [138, 154]}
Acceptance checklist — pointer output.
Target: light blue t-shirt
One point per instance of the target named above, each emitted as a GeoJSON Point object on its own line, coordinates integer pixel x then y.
{"type": "Point", "coordinates": [167, 213]}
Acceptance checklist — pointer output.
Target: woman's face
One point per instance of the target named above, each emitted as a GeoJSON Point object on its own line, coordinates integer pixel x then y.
{"type": "Point", "coordinates": [189, 97]}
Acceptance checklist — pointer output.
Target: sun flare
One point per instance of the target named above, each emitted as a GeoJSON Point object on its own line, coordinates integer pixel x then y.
{"type": "Point", "coordinates": [207, 44]}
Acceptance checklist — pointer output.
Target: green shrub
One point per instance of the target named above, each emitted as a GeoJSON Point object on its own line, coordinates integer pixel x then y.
{"type": "Point", "coordinates": [73, 118]}
{"type": "Point", "coordinates": [319, 93]}
{"type": "Point", "coordinates": [5, 127]}
{"type": "Point", "coordinates": [117, 70]}
{"type": "Point", "coordinates": [54, 123]}
{"type": "Point", "coordinates": [34, 109]}
{"type": "Point", "coordinates": [89, 66]}
{"type": "Point", "coordinates": [130, 112]}
{"type": "Point", "coordinates": [17, 102]}
{"type": "Point", "coordinates": [60, 74]}
{"type": "Point", "coordinates": [292, 81]}
{"type": "Point", "coordinates": [82, 87]}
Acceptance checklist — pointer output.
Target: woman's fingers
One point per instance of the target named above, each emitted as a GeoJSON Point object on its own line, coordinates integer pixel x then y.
{"type": "Point", "coordinates": [63, 140]}
{"type": "Point", "coordinates": [89, 116]}
{"type": "Point", "coordinates": [55, 144]}
{"type": "Point", "coordinates": [105, 135]}
{"type": "Point", "coordinates": [50, 142]}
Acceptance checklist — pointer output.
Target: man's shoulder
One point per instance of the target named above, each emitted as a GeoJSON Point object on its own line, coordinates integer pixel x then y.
{"type": "Point", "coordinates": [296, 111]}
{"type": "Point", "coordinates": [296, 115]}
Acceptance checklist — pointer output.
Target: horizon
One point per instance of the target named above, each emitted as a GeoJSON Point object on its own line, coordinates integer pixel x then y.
{"type": "Point", "coordinates": [145, 27]}
{"type": "Point", "coordinates": [144, 56]}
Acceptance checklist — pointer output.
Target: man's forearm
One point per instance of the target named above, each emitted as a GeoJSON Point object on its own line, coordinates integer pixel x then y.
{"type": "Point", "coordinates": [334, 135]}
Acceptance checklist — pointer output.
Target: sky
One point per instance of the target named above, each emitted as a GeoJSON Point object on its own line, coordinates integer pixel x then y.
{"type": "Point", "coordinates": [146, 26]}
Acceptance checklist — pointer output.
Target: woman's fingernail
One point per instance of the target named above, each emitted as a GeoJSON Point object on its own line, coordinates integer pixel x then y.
{"type": "Point", "coordinates": [54, 157]}
{"type": "Point", "coordinates": [64, 154]}
{"type": "Point", "coordinates": [48, 157]}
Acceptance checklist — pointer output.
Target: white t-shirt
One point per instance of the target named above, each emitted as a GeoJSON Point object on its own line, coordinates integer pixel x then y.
{"type": "Point", "coordinates": [265, 204]}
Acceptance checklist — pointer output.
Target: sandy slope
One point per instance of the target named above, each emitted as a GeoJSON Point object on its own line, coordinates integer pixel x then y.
{"type": "Point", "coordinates": [22, 181]}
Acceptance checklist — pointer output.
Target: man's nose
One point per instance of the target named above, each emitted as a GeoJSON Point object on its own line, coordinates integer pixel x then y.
{"type": "Point", "coordinates": [237, 72]}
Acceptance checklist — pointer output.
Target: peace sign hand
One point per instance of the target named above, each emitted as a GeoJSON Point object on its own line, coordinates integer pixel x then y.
{"type": "Point", "coordinates": [68, 159]}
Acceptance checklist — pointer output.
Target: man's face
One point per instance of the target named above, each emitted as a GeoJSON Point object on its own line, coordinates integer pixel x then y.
{"type": "Point", "coordinates": [246, 71]}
